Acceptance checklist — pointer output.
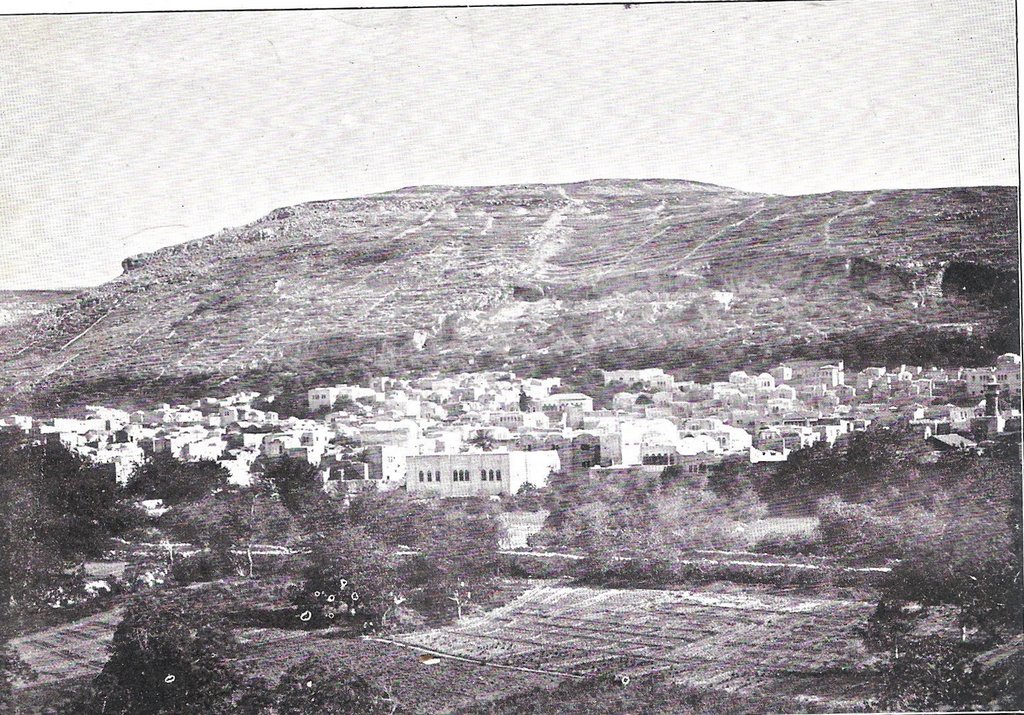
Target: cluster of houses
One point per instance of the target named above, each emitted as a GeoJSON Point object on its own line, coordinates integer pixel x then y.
{"type": "Point", "coordinates": [491, 433]}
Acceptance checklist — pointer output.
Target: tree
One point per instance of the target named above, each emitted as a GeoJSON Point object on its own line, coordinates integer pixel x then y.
{"type": "Point", "coordinates": [12, 668]}
{"type": "Point", "coordinates": [295, 481]}
{"type": "Point", "coordinates": [483, 439]}
{"type": "Point", "coordinates": [350, 576]}
{"type": "Point", "coordinates": [391, 518]}
{"type": "Point", "coordinates": [168, 656]}
{"type": "Point", "coordinates": [932, 675]}
{"type": "Point", "coordinates": [55, 510]}
{"type": "Point", "coordinates": [230, 520]}
{"type": "Point", "coordinates": [458, 557]}
{"type": "Point", "coordinates": [860, 530]}
{"type": "Point", "coordinates": [174, 481]}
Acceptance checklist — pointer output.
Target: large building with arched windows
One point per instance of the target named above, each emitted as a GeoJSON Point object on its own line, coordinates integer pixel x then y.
{"type": "Point", "coordinates": [478, 473]}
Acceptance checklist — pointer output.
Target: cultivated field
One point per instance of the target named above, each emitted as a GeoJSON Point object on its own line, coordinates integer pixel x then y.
{"type": "Point", "coordinates": [68, 651]}
{"type": "Point", "coordinates": [726, 636]}
{"type": "Point", "coordinates": [787, 642]}
{"type": "Point", "coordinates": [441, 687]}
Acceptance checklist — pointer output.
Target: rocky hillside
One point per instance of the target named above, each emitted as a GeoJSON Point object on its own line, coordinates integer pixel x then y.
{"type": "Point", "coordinates": [21, 304]}
{"type": "Point", "coordinates": [553, 278]}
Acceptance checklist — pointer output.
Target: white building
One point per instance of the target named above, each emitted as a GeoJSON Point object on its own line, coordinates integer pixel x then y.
{"type": "Point", "coordinates": [564, 400]}
{"type": "Point", "coordinates": [653, 377]}
{"type": "Point", "coordinates": [478, 473]}
{"type": "Point", "coordinates": [388, 465]}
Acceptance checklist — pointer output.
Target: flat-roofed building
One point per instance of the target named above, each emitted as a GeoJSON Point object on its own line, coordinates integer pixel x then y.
{"type": "Point", "coordinates": [478, 473]}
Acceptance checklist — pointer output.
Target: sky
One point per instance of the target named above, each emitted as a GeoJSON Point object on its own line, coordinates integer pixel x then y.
{"type": "Point", "coordinates": [120, 134]}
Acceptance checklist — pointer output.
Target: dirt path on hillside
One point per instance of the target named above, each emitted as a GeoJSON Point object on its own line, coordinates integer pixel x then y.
{"type": "Point", "coordinates": [826, 232]}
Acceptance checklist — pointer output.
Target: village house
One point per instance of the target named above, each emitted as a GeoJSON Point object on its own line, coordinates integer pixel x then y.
{"type": "Point", "coordinates": [400, 433]}
{"type": "Point", "coordinates": [386, 465]}
{"type": "Point", "coordinates": [653, 378]}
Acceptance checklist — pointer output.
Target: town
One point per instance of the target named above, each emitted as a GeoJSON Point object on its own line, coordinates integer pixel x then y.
{"type": "Point", "coordinates": [493, 433]}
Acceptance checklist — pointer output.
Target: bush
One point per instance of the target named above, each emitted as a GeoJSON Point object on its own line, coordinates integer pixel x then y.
{"type": "Point", "coordinates": [319, 685]}
{"type": "Point", "coordinates": [198, 568]}
{"type": "Point", "coordinates": [799, 543]}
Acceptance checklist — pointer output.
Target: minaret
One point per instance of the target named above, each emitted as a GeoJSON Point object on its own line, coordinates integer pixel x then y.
{"type": "Point", "coordinates": [992, 399]}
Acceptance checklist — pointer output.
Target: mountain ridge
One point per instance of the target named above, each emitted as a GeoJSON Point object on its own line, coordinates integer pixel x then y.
{"type": "Point", "coordinates": [531, 276]}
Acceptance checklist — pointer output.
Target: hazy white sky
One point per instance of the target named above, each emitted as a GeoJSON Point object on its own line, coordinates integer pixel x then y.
{"type": "Point", "coordinates": [123, 133]}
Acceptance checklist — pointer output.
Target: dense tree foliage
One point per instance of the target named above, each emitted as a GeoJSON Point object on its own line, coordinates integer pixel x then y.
{"type": "Point", "coordinates": [169, 655]}
{"type": "Point", "coordinates": [55, 510]}
{"type": "Point", "coordinates": [231, 521]}
{"type": "Point", "coordinates": [642, 513]}
{"type": "Point", "coordinates": [163, 477]}
{"type": "Point", "coordinates": [437, 556]}
{"type": "Point", "coordinates": [859, 463]}
{"type": "Point", "coordinates": [295, 481]}
{"type": "Point", "coordinates": [350, 577]}
{"type": "Point", "coordinates": [957, 535]}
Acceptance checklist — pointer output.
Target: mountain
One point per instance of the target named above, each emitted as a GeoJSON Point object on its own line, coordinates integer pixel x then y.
{"type": "Point", "coordinates": [560, 279]}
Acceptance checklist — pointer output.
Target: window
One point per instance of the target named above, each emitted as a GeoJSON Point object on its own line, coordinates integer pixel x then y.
{"type": "Point", "coordinates": [490, 476]}
{"type": "Point", "coordinates": [483, 475]}
{"type": "Point", "coordinates": [497, 475]}
{"type": "Point", "coordinates": [421, 475]}
{"type": "Point", "coordinates": [430, 476]}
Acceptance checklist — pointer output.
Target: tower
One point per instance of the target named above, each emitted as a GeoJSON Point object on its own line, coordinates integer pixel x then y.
{"type": "Point", "coordinates": [992, 399]}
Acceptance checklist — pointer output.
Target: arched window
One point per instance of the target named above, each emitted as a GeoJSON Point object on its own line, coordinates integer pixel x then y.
{"type": "Point", "coordinates": [497, 475]}
{"type": "Point", "coordinates": [483, 474]}
{"type": "Point", "coordinates": [490, 476]}
{"type": "Point", "coordinates": [421, 475]}
{"type": "Point", "coordinates": [430, 476]}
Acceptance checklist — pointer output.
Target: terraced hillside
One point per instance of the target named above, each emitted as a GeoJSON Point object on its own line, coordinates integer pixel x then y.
{"type": "Point", "coordinates": [556, 278]}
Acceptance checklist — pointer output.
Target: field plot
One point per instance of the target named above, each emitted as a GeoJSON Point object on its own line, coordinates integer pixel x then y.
{"type": "Point", "coordinates": [735, 638]}
{"type": "Point", "coordinates": [442, 687]}
{"type": "Point", "coordinates": [69, 651]}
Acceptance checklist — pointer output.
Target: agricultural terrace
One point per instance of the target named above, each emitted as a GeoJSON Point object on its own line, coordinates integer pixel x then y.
{"type": "Point", "coordinates": [740, 639]}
